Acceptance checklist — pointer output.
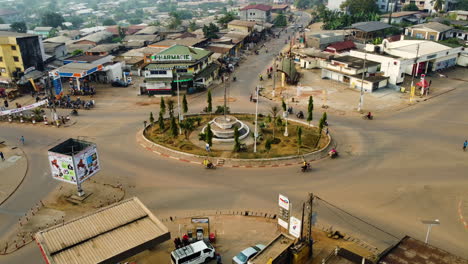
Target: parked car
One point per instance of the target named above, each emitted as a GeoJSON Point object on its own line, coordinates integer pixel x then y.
{"type": "Point", "coordinates": [247, 254]}
{"type": "Point", "coordinates": [195, 253]}
{"type": "Point", "coordinates": [119, 83]}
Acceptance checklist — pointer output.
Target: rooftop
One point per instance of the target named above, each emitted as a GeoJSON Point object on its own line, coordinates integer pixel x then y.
{"type": "Point", "coordinates": [43, 28]}
{"type": "Point", "coordinates": [195, 53]}
{"type": "Point", "coordinates": [150, 30]}
{"type": "Point", "coordinates": [257, 6]}
{"type": "Point", "coordinates": [105, 48]}
{"type": "Point", "coordinates": [401, 14]}
{"type": "Point", "coordinates": [435, 26]}
{"type": "Point", "coordinates": [185, 42]}
{"type": "Point", "coordinates": [370, 26]}
{"type": "Point", "coordinates": [59, 39]}
{"type": "Point", "coordinates": [273, 249]}
{"type": "Point", "coordinates": [242, 23]}
{"type": "Point", "coordinates": [342, 45]}
{"type": "Point", "coordinates": [409, 47]}
{"type": "Point", "coordinates": [410, 250]}
{"type": "Point", "coordinates": [103, 236]}
{"type": "Point", "coordinates": [7, 12]}
{"type": "Point", "coordinates": [15, 34]}
{"type": "Point", "coordinates": [97, 37]}
{"type": "Point", "coordinates": [49, 47]}
{"type": "Point", "coordinates": [151, 38]}
{"type": "Point", "coordinates": [278, 7]}
{"type": "Point", "coordinates": [353, 62]}
{"type": "Point", "coordinates": [85, 58]}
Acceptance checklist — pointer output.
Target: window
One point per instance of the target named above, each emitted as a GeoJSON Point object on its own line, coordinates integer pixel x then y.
{"type": "Point", "coordinates": [382, 7]}
{"type": "Point", "coordinates": [1, 59]}
{"type": "Point", "coordinates": [421, 3]}
{"type": "Point", "coordinates": [206, 250]}
{"type": "Point", "coordinates": [13, 47]}
{"type": "Point", "coordinates": [18, 70]}
{"type": "Point", "coordinates": [158, 72]}
{"type": "Point", "coordinates": [15, 58]}
{"type": "Point", "coordinates": [431, 37]}
{"type": "Point", "coordinates": [419, 35]}
{"type": "Point", "coordinates": [181, 70]}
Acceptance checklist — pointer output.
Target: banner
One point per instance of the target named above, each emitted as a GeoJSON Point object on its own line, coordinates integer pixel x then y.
{"type": "Point", "coordinates": [87, 163]}
{"type": "Point", "coordinates": [62, 167]}
{"type": "Point", "coordinates": [24, 108]}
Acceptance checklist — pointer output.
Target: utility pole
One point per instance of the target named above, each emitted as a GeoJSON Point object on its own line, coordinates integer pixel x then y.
{"type": "Point", "coordinates": [274, 78]}
{"type": "Point", "coordinates": [412, 91]}
{"type": "Point", "coordinates": [361, 97]}
{"type": "Point", "coordinates": [224, 80]}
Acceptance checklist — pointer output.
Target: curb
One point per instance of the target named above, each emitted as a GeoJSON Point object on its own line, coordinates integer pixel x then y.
{"type": "Point", "coordinates": [460, 215]}
{"type": "Point", "coordinates": [22, 180]}
{"type": "Point", "coordinates": [236, 163]}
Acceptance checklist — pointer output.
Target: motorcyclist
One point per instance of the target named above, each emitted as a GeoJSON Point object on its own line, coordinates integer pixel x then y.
{"type": "Point", "coordinates": [332, 152]}
{"type": "Point", "coordinates": [207, 163]}
{"type": "Point", "coordinates": [260, 77]}
{"type": "Point", "coordinates": [369, 115]}
{"type": "Point", "coordinates": [305, 165]}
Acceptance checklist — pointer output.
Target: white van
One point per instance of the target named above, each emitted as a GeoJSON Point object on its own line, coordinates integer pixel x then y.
{"type": "Point", "coordinates": [196, 253]}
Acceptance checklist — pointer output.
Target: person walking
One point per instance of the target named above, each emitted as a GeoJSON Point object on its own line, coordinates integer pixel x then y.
{"type": "Point", "coordinates": [218, 259]}
{"type": "Point", "coordinates": [465, 144]}
{"type": "Point", "coordinates": [22, 140]}
{"type": "Point", "coordinates": [1, 156]}
{"type": "Point", "coordinates": [5, 103]}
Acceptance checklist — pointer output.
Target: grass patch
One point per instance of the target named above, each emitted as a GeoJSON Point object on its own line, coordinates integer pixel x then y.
{"type": "Point", "coordinates": [281, 146]}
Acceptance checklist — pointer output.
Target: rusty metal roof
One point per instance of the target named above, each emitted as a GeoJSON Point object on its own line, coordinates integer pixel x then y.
{"type": "Point", "coordinates": [410, 250]}
{"type": "Point", "coordinates": [102, 235]}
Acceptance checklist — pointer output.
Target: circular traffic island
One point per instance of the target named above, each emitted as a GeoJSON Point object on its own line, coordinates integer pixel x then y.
{"type": "Point", "coordinates": [232, 137]}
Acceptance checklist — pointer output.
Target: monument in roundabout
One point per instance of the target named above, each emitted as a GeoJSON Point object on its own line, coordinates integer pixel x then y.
{"type": "Point", "coordinates": [223, 128]}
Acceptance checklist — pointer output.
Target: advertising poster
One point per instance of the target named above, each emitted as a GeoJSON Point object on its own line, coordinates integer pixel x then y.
{"type": "Point", "coordinates": [283, 202]}
{"type": "Point", "coordinates": [295, 227]}
{"type": "Point", "coordinates": [62, 168]}
{"type": "Point", "coordinates": [87, 163]}
{"type": "Point", "coordinates": [283, 223]}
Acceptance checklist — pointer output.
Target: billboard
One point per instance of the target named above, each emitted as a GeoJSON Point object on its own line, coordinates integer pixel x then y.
{"type": "Point", "coordinates": [283, 202]}
{"type": "Point", "coordinates": [87, 163]}
{"type": "Point", "coordinates": [62, 167]}
{"type": "Point", "coordinates": [295, 227]}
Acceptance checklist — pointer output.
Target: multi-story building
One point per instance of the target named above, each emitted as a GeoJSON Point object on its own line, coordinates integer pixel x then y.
{"type": "Point", "coordinates": [178, 66]}
{"type": "Point", "coordinates": [258, 13]}
{"type": "Point", "coordinates": [19, 52]}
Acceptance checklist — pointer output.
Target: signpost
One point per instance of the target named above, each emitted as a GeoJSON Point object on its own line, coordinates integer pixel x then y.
{"type": "Point", "coordinates": [284, 209]}
{"type": "Point", "coordinates": [74, 161]}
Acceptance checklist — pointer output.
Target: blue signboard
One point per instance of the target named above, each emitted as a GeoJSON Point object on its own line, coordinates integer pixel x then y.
{"type": "Point", "coordinates": [57, 85]}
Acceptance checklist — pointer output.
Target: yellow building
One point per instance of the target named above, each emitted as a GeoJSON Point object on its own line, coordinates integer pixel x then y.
{"type": "Point", "coordinates": [19, 52]}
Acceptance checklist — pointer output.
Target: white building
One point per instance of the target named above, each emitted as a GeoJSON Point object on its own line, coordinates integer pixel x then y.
{"type": "Point", "coordinates": [399, 58]}
{"type": "Point", "coordinates": [258, 13]}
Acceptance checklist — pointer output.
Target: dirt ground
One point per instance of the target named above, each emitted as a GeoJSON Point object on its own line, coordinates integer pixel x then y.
{"type": "Point", "coordinates": [235, 233]}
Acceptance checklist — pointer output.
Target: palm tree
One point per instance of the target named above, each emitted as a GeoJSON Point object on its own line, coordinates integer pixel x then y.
{"type": "Point", "coordinates": [274, 113]}
{"type": "Point", "coordinates": [437, 5]}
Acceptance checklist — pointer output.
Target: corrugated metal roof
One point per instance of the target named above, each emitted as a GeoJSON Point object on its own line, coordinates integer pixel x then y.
{"type": "Point", "coordinates": [101, 235]}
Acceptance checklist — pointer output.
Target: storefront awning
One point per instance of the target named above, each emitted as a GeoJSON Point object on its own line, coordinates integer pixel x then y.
{"type": "Point", "coordinates": [77, 70]}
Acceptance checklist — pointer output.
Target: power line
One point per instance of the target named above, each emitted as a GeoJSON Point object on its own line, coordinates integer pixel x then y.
{"type": "Point", "coordinates": [358, 218]}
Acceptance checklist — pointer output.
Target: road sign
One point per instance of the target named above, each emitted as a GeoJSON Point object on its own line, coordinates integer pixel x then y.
{"type": "Point", "coordinates": [295, 227]}
{"type": "Point", "coordinates": [283, 202]}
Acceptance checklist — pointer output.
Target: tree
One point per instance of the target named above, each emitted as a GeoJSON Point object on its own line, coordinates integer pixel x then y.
{"type": "Point", "coordinates": [299, 138]}
{"type": "Point", "coordinates": [109, 22]}
{"type": "Point", "coordinates": [461, 5]}
{"type": "Point", "coordinates": [175, 20]}
{"type": "Point", "coordinates": [122, 32]}
{"type": "Point", "coordinates": [188, 126]}
{"type": "Point", "coordinates": [174, 130]}
{"type": "Point", "coordinates": [268, 144]}
{"type": "Point", "coordinates": [135, 21]}
{"type": "Point", "coordinates": [410, 7]}
{"type": "Point", "coordinates": [231, 2]}
{"type": "Point", "coordinates": [283, 105]}
{"type": "Point", "coordinates": [280, 21]}
{"type": "Point", "coordinates": [77, 52]}
{"type": "Point", "coordinates": [192, 26]}
{"type": "Point", "coordinates": [170, 106]}
{"type": "Point", "coordinates": [210, 31]}
{"type": "Point", "coordinates": [310, 109]}
{"type": "Point", "coordinates": [322, 122]}
{"type": "Point", "coordinates": [437, 5]}
{"type": "Point", "coordinates": [161, 121]}
{"type": "Point", "coordinates": [360, 6]}
{"type": "Point", "coordinates": [228, 17]}
{"type": "Point", "coordinates": [151, 118]}
{"type": "Point", "coordinates": [236, 139]}
{"type": "Point", "coordinates": [52, 19]}
{"type": "Point", "coordinates": [19, 27]}
{"type": "Point", "coordinates": [209, 135]}
{"type": "Point", "coordinates": [303, 4]}
{"type": "Point", "coordinates": [184, 104]}
{"type": "Point", "coordinates": [274, 113]}
{"type": "Point", "coordinates": [209, 108]}
{"type": "Point", "coordinates": [76, 21]}
{"type": "Point", "coordinates": [162, 106]}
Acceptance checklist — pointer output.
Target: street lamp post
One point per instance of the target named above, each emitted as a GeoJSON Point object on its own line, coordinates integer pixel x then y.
{"type": "Point", "coordinates": [430, 223]}
{"type": "Point", "coordinates": [256, 121]}
{"type": "Point", "coordinates": [412, 88]}
{"type": "Point", "coordinates": [178, 105]}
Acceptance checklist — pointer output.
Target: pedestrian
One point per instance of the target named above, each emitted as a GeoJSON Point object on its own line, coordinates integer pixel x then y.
{"type": "Point", "coordinates": [218, 259]}
{"type": "Point", "coordinates": [207, 147]}
{"type": "Point", "coordinates": [22, 140]}
{"type": "Point", "coordinates": [1, 156]}
{"type": "Point", "coordinates": [327, 131]}
{"type": "Point", "coordinates": [464, 145]}
{"type": "Point", "coordinates": [5, 103]}
{"type": "Point", "coordinates": [250, 97]}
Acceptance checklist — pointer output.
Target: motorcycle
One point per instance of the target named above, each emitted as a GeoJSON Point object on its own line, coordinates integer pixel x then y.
{"type": "Point", "coordinates": [300, 115]}
{"type": "Point", "coordinates": [74, 112]}
{"type": "Point", "coordinates": [210, 166]}
{"type": "Point", "coordinates": [305, 168]}
{"type": "Point", "coordinates": [368, 117]}
{"type": "Point", "coordinates": [256, 52]}
{"type": "Point", "coordinates": [234, 78]}
{"type": "Point", "coordinates": [333, 154]}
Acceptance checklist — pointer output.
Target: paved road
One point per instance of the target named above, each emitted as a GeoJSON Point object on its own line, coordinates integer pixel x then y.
{"type": "Point", "coordinates": [393, 171]}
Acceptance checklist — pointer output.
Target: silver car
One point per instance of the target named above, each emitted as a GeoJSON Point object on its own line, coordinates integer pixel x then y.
{"type": "Point", "coordinates": [247, 254]}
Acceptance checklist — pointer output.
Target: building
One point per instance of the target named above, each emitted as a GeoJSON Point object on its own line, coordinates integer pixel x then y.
{"type": "Point", "coordinates": [367, 31]}
{"type": "Point", "coordinates": [410, 250]}
{"type": "Point", "coordinates": [59, 39]}
{"type": "Point", "coordinates": [130, 30]}
{"type": "Point", "coordinates": [340, 47]}
{"type": "Point", "coordinates": [95, 38]}
{"type": "Point", "coordinates": [187, 68]}
{"type": "Point", "coordinates": [134, 60]}
{"type": "Point", "coordinates": [125, 229]}
{"type": "Point", "coordinates": [104, 49]}
{"type": "Point", "coordinates": [460, 14]}
{"type": "Point", "coordinates": [258, 13]}
{"type": "Point", "coordinates": [139, 41]}
{"type": "Point", "coordinates": [189, 42]}
{"type": "Point", "coordinates": [277, 251]}
{"type": "Point", "coordinates": [280, 9]}
{"type": "Point", "coordinates": [413, 17]}
{"type": "Point", "coordinates": [241, 25]}
{"type": "Point", "coordinates": [322, 40]}
{"type": "Point", "coordinates": [350, 70]}
{"type": "Point", "coordinates": [18, 53]}
{"type": "Point", "coordinates": [55, 50]}
{"type": "Point", "coordinates": [5, 27]}
{"type": "Point", "coordinates": [429, 31]}
{"type": "Point", "coordinates": [43, 31]}
{"type": "Point", "coordinates": [407, 56]}
{"type": "Point", "coordinates": [311, 58]}
{"type": "Point", "coordinates": [149, 30]}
